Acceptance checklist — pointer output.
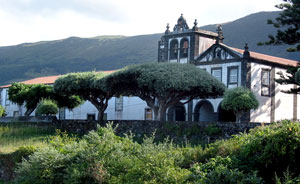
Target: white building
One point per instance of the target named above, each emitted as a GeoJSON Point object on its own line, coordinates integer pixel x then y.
{"type": "Point", "coordinates": [234, 67]}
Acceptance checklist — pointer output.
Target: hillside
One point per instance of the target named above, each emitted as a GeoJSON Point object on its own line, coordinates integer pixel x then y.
{"type": "Point", "coordinates": [31, 60]}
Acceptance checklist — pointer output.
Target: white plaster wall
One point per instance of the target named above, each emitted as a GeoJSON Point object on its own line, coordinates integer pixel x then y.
{"type": "Point", "coordinates": [263, 112]}
{"type": "Point", "coordinates": [133, 109]}
{"type": "Point", "coordinates": [8, 105]}
{"type": "Point", "coordinates": [215, 103]}
{"type": "Point", "coordinates": [204, 44]}
{"type": "Point", "coordinates": [2, 97]}
{"type": "Point", "coordinates": [283, 101]}
{"type": "Point", "coordinates": [224, 67]}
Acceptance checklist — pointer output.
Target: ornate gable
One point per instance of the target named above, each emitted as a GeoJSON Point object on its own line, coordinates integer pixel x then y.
{"type": "Point", "coordinates": [218, 52]}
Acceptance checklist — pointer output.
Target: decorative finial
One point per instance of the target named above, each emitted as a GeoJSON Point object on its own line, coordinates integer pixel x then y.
{"type": "Point", "coordinates": [168, 29]}
{"type": "Point", "coordinates": [246, 51]}
{"type": "Point", "coordinates": [195, 28]}
{"type": "Point", "coordinates": [220, 37]}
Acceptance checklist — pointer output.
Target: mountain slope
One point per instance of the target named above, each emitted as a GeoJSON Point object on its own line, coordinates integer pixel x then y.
{"type": "Point", "coordinates": [253, 29]}
{"type": "Point", "coordinates": [31, 60]}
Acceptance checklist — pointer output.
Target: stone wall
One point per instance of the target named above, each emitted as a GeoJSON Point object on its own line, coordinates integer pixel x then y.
{"type": "Point", "coordinates": [193, 132]}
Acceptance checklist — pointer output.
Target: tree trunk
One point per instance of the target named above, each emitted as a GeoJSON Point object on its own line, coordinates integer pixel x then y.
{"type": "Point", "coordinates": [156, 113]}
{"type": "Point", "coordinates": [100, 114]}
{"type": "Point", "coordinates": [238, 117]}
{"type": "Point", "coordinates": [28, 112]}
{"type": "Point", "coordinates": [162, 113]}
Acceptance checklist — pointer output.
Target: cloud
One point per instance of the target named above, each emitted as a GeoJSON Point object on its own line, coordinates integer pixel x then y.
{"type": "Point", "coordinates": [99, 9]}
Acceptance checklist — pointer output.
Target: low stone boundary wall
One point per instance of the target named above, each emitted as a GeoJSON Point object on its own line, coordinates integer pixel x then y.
{"type": "Point", "coordinates": [177, 131]}
{"type": "Point", "coordinates": [28, 119]}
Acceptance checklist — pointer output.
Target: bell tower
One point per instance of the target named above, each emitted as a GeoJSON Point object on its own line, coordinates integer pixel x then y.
{"type": "Point", "coordinates": [183, 45]}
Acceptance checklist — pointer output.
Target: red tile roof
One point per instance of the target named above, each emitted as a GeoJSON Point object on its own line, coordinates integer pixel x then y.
{"type": "Point", "coordinates": [45, 80]}
{"type": "Point", "coordinates": [268, 58]}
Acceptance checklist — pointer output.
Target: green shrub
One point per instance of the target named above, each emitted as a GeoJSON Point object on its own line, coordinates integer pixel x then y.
{"type": "Point", "coordinates": [239, 100]}
{"type": "Point", "coordinates": [23, 152]}
{"type": "Point", "coordinates": [268, 150]}
{"type": "Point", "coordinates": [213, 130]}
{"type": "Point", "coordinates": [261, 156]}
{"type": "Point", "coordinates": [103, 157]}
{"type": "Point", "coordinates": [220, 171]}
{"type": "Point", "coordinates": [46, 107]}
{"type": "Point", "coordinates": [2, 111]}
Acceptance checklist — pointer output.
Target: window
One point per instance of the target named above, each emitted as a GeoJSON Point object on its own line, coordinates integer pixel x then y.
{"type": "Point", "coordinates": [16, 113]}
{"type": "Point", "coordinates": [6, 98]}
{"type": "Point", "coordinates": [62, 113]}
{"type": "Point", "coordinates": [233, 77]}
{"type": "Point", "coordinates": [217, 73]}
{"type": "Point", "coordinates": [174, 49]}
{"type": "Point", "coordinates": [119, 104]}
{"type": "Point", "coordinates": [91, 117]}
{"type": "Point", "coordinates": [148, 114]}
{"type": "Point", "coordinates": [105, 116]}
{"type": "Point", "coordinates": [265, 82]}
{"type": "Point", "coordinates": [184, 45]}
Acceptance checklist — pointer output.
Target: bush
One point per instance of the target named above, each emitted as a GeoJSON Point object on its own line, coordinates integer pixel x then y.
{"type": "Point", "coordinates": [220, 171]}
{"type": "Point", "coordinates": [101, 156]}
{"type": "Point", "coordinates": [239, 100]}
{"type": "Point", "coordinates": [2, 111]}
{"type": "Point", "coordinates": [264, 155]}
{"type": "Point", "coordinates": [268, 150]}
{"type": "Point", "coordinates": [46, 107]}
{"type": "Point", "coordinates": [23, 152]}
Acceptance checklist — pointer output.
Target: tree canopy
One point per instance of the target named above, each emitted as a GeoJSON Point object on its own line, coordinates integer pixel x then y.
{"type": "Point", "coordinates": [47, 107]}
{"type": "Point", "coordinates": [288, 24]}
{"type": "Point", "coordinates": [163, 85]}
{"type": "Point", "coordinates": [239, 100]}
{"type": "Point", "coordinates": [90, 86]}
{"type": "Point", "coordinates": [32, 94]}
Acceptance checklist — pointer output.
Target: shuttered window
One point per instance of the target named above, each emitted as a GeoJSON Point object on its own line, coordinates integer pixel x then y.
{"type": "Point", "coordinates": [232, 80]}
{"type": "Point", "coordinates": [217, 73]}
{"type": "Point", "coordinates": [119, 104]}
{"type": "Point", "coordinates": [265, 82]}
{"type": "Point", "coordinates": [148, 114]}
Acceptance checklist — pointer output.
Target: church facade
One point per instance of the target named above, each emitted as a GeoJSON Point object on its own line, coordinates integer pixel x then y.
{"type": "Point", "coordinates": [205, 49]}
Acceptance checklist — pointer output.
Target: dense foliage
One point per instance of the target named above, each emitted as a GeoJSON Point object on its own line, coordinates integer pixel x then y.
{"type": "Point", "coordinates": [163, 85]}
{"type": "Point", "coordinates": [89, 86]}
{"type": "Point", "coordinates": [2, 111]}
{"type": "Point", "coordinates": [289, 21]}
{"type": "Point", "coordinates": [32, 94]}
{"type": "Point", "coordinates": [239, 100]}
{"type": "Point", "coordinates": [46, 107]}
{"type": "Point", "coordinates": [265, 155]}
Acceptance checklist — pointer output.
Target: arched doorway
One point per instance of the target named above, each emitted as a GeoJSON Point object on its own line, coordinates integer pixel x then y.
{"type": "Point", "coordinates": [225, 116]}
{"type": "Point", "coordinates": [204, 112]}
{"type": "Point", "coordinates": [176, 113]}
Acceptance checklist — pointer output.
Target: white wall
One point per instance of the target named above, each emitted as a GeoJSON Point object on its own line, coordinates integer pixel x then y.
{"type": "Point", "coordinates": [133, 109]}
{"type": "Point", "coordinates": [263, 112]}
{"type": "Point", "coordinates": [283, 101]}
{"type": "Point", "coordinates": [224, 67]}
{"type": "Point", "coordinates": [204, 44]}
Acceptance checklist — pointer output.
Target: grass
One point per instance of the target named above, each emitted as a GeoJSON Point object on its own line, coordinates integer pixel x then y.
{"type": "Point", "coordinates": [15, 135]}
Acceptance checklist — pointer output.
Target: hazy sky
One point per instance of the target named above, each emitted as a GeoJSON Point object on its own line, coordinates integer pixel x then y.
{"type": "Point", "coordinates": [40, 20]}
